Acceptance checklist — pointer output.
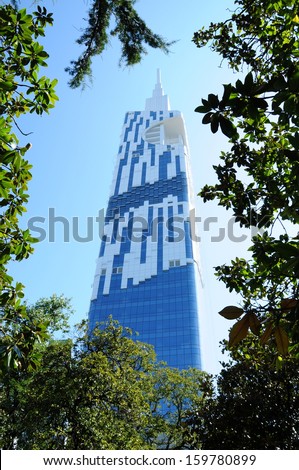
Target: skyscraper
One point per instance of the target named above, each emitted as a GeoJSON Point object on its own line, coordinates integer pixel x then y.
{"type": "Point", "coordinates": [147, 271]}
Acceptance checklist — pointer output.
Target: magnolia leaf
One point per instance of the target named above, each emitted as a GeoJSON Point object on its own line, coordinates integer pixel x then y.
{"type": "Point", "coordinates": [226, 94]}
{"type": "Point", "coordinates": [288, 304]}
{"type": "Point", "coordinates": [231, 312]}
{"type": "Point", "coordinates": [248, 83]}
{"type": "Point", "coordinates": [267, 333]}
{"type": "Point", "coordinates": [254, 323]}
{"type": "Point", "coordinates": [213, 100]}
{"type": "Point", "coordinates": [214, 123]}
{"type": "Point", "coordinates": [207, 118]}
{"type": "Point", "coordinates": [294, 81]}
{"type": "Point", "coordinates": [7, 86]}
{"type": "Point", "coordinates": [201, 109]}
{"type": "Point", "coordinates": [239, 331]}
{"type": "Point", "coordinates": [227, 127]}
{"type": "Point", "coordinates": [282, 340]}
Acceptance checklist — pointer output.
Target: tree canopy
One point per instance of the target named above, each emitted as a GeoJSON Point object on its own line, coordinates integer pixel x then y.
{"type": "Point", "coordinates": [101, 392]}
{"type": "Point", "coordinates": [258, 177]}
{"type": "Point", "coordinates": [254, 406]}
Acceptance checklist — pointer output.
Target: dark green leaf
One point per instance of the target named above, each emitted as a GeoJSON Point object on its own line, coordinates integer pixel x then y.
{"type": "Point", "coordinates": [213, 100]}
{"type": "Point", "coordinates": [201, 109]}
{"type": "Point", "coordinates": [214, 123]}
{"type": "Point", "coordinates": [207, 118]}
{"type": "Point", "coordinates": [227, 127]}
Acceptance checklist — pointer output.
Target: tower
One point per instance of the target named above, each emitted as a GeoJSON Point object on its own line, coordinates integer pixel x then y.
{"type": "Point", "coordinates": [147, 271]}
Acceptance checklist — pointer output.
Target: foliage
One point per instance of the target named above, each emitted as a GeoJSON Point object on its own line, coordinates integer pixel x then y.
{"type": "Point", "coordinates": [100, 392]}
{"type": "Point", "coordinates": [131, 30]}
{"type": "Point", "coordinates": [19, 347]}
{"type": "Point", "coordinates": [258, 178]}
{"type": "Point", "coordinates": [177, 395]}
{"type": "Point", "coordinates": [15, 382]}
{"type": "Point", "coordinates": [54, 312]}
{"type": "Point", "coordinates": [255, 407]}
{"type": "Point", "coordinates": [22, 91]}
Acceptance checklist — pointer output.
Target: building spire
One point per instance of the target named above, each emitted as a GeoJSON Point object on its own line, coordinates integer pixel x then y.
{"type": "Point", "coordinates": [158, 101]}
{"type": "Point", "coordinates": [159, 77]}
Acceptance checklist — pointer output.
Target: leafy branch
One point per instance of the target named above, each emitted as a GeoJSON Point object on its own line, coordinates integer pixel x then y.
{"type": "Point", "coordinates": [131, 30]}
{"type": "Point", "coordinates": [21, 58]}
{"type": "Point", "coordinates": [260, 116]}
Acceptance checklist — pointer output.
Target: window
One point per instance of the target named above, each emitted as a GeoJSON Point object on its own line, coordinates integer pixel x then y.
{"type": "Point", "coordinates": [103, 272]}
{"type": "Point", "coordinates": [118, 270]}
{"type": "Point", "coordinates": [174, 263]}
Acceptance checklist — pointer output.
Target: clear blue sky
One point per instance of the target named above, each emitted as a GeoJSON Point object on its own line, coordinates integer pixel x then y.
{"type": "Point", "coordinates": [74, 148]}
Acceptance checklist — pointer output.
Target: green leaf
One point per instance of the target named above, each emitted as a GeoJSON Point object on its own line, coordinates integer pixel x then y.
{"type": "Point", "coordinates": [226, 94]}
{"type": "Point", "coordinates": [206, 104]}
{"type": "Point", "coordinates": [294, 81]}
{"type": "Point", "coordinates": [227, 127]}
{"type": "Point", "coordinates": [43, 54]}
{"type": "Point", "coordinates": [290, 104]}
{"type": "Point", "coordinates": [248, 83]}
{"type": "Point", "coordinates": [294, 140]}
{"type": "Point", "coordinates": [213, 100]}
{"type": "Point", "coordinates": [214, 123]}
{"type": "Point", "coordinates": [7, 86]}
{"type": "Point", "coordinates": [207, 118]}
{"type": "Point", "coordinates": [201, 109]}
{"type": "Point", "coordinates": [239, 87]}
{"type": "Point", "coordinates": [260, 103]}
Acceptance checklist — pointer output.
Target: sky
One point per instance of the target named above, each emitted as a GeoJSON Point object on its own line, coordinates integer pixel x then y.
{"type": "Point", "coordinates": [74, 150]}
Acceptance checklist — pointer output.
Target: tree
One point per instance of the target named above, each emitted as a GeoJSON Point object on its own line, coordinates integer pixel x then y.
{"type": "Point", "coordinates": [258, 177]}
{"type": "Point", "coordinates": [255, 406]}
{"type": "Point", "coordinates": [15, 382]}
{"type": "Point", "coordinates": [177, 395]}
{"type": "Point", "coordinates": [22, 91]}
{"type": "Point", "coordinates": [17, 340]}
{"type": "Point", "coordinates": [100, 392]}
{"type": "Point", "coordinates": [131, 30]}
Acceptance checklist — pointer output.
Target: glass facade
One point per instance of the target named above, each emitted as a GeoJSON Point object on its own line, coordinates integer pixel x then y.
{"type": "Point", "coordinates": [147, 270]}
